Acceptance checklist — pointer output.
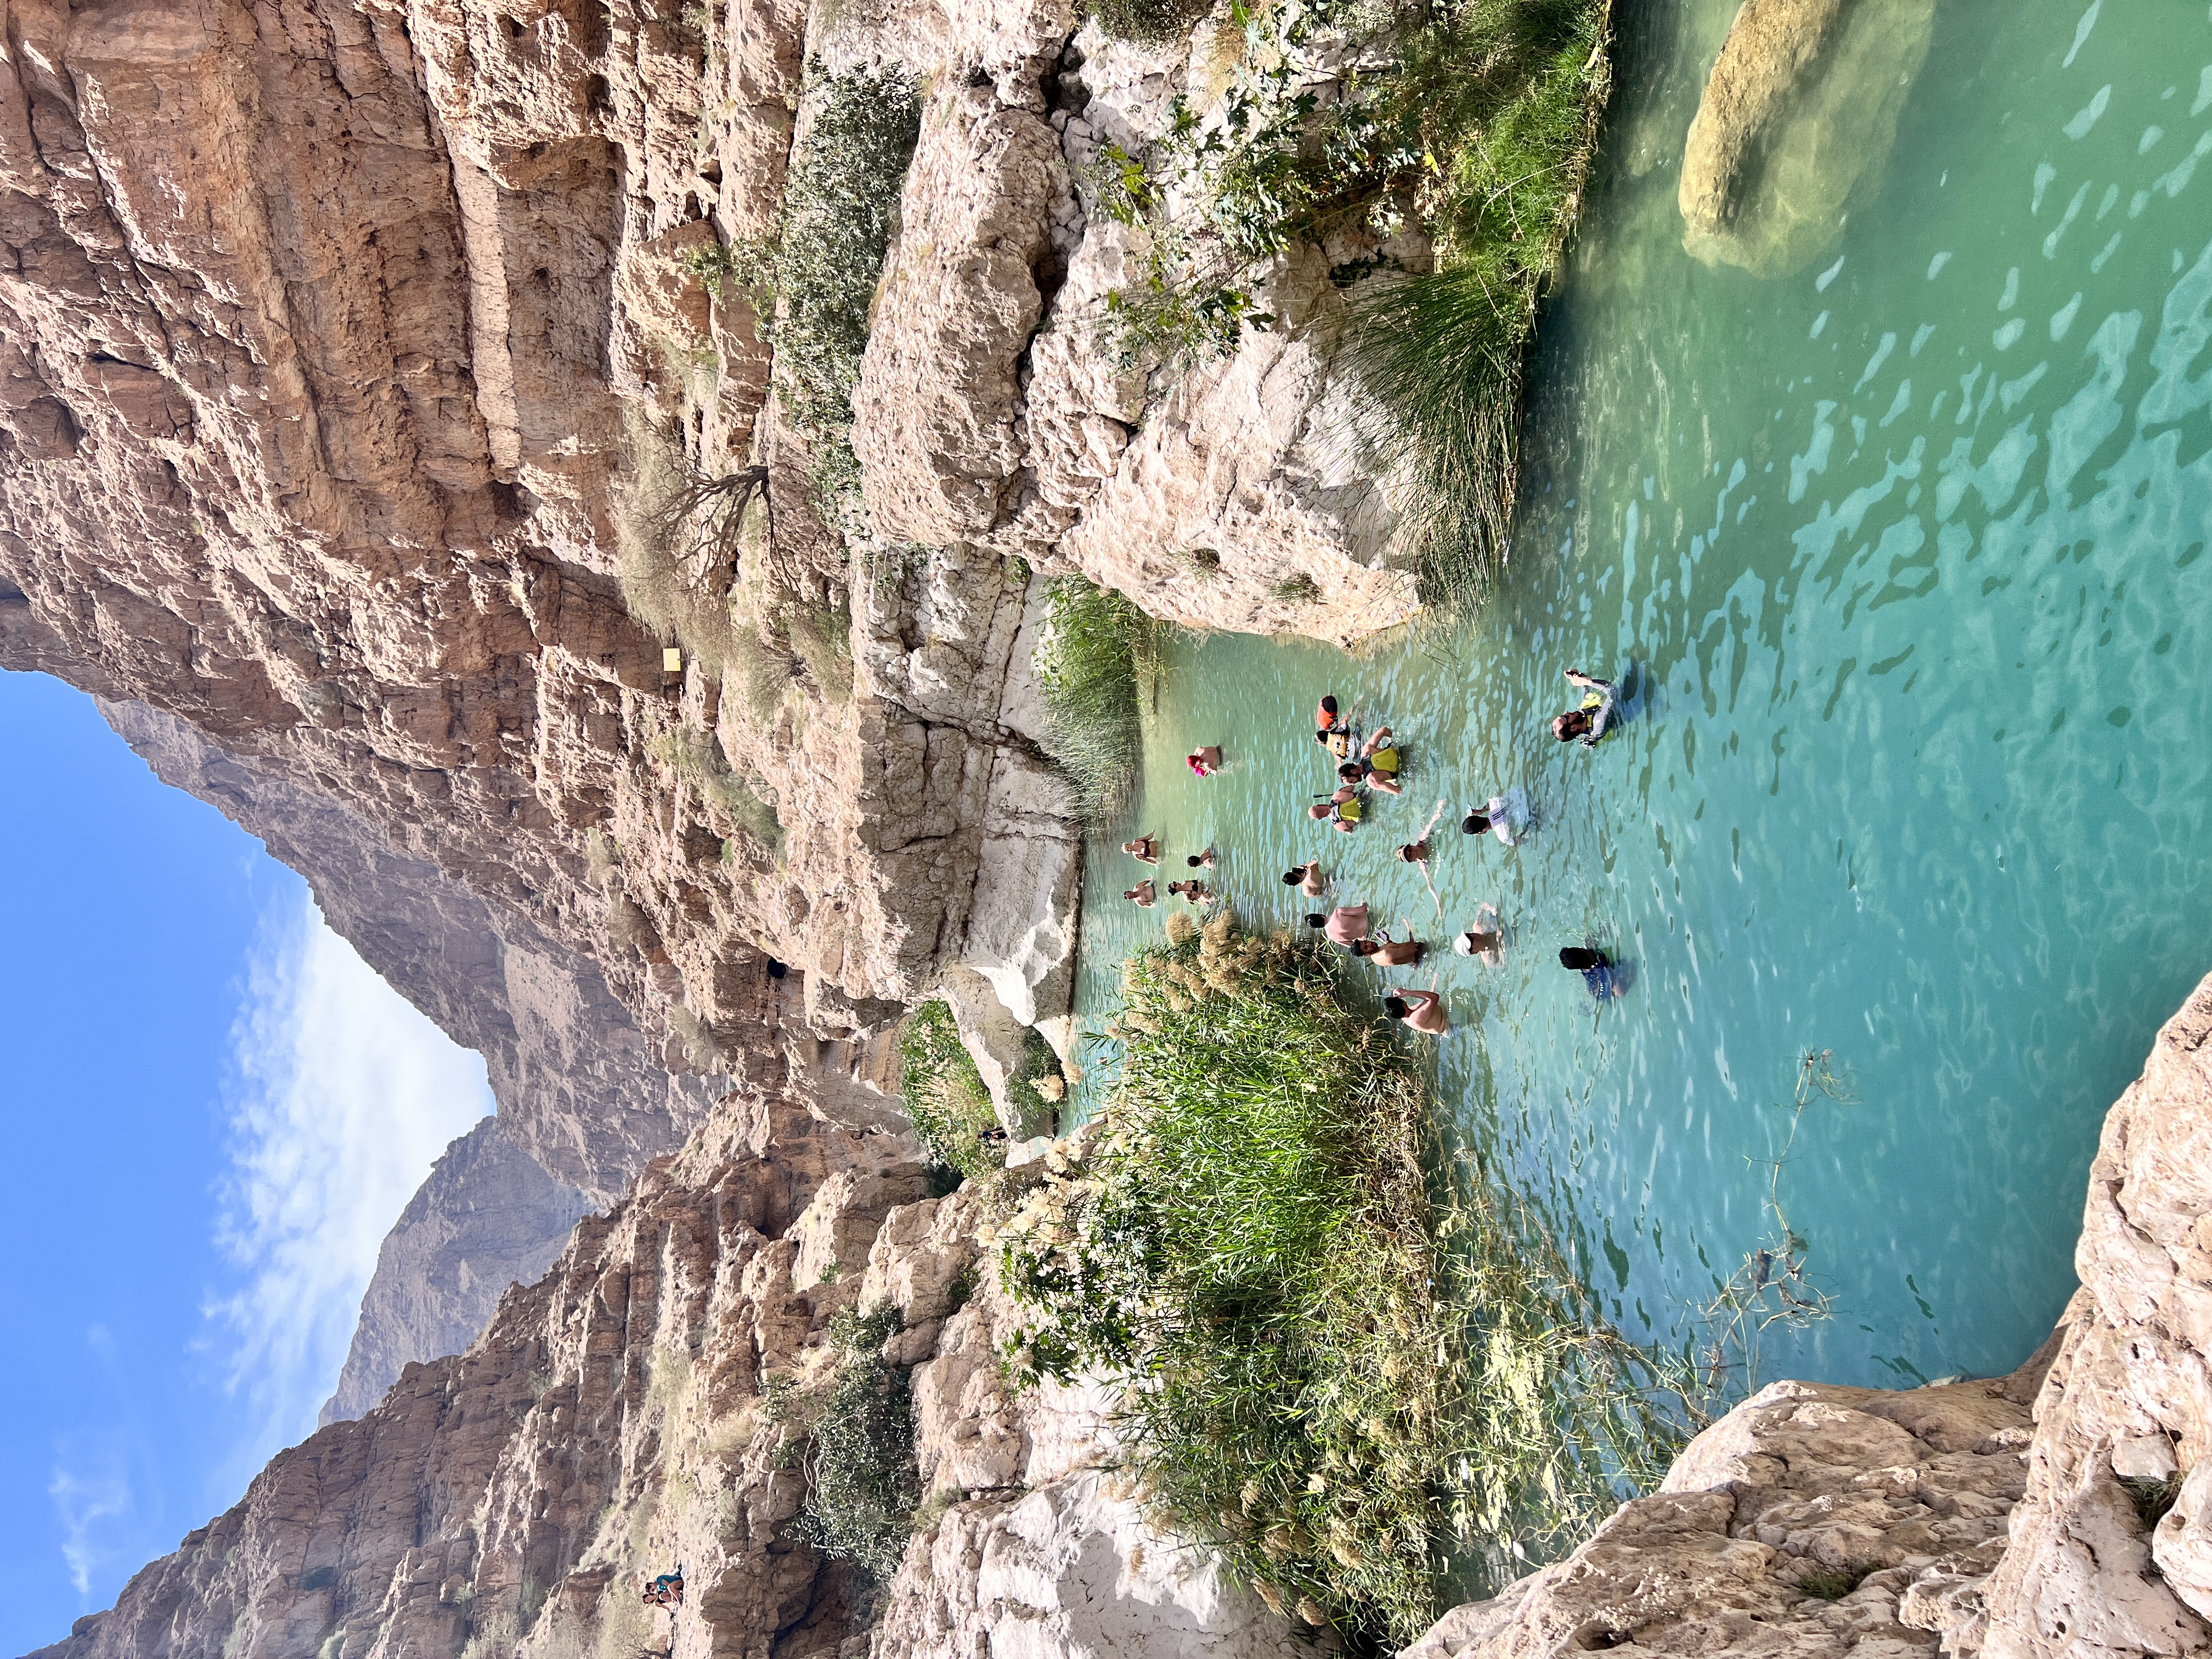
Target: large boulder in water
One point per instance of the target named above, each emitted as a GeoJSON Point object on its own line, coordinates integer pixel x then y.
{"type": "Point", "coordinates": [1800, 112]}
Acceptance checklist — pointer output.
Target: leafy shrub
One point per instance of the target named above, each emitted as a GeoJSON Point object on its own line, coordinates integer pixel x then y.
{"type": "Point", "coordinates": [944, 1092]}
{"type": "Point", "coordinates": [863, 1488]}
{"type": "Point", "coordinates": [1327, 1379]}
{"type": "Point", "coordinates": [812, 283]}
{"type": "Point", "coordinates": [1098, 652]}
{"type": "Point", "coordinates": [1148, 22]}
{"type": "Point", "coordinates": [1296, 588]}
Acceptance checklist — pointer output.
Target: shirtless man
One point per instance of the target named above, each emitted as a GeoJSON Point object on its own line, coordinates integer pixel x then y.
{"type": "Point", "coordinates": [1422, 1010]}
{"type": "Point", "coordinates": [1343, 925]}
{"type": "Point", "coordinates": [1145, 849]}
{"type": "Point", "coordinates": [1142, 895]}
{"type": "Point", "coordinates": [1390, 952]}
{"type": "Point", "coordinates": [1200, 861]}
{"type": "Point", "coordinates": [1307, 878]}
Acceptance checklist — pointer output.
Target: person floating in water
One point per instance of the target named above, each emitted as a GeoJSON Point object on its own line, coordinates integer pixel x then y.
{"type": "Point", "coordinates": [1421, 1011]}
{"type": "Point", "coordinates": [1376, 764]}
{"type": "Point", "coordinates": [1588, 723]}
{"type": "Point", "coordinates": [1307, 879]}
{"type": "Point", "coordinates": [1141, 895]}
{"type": "Point", "coordinates": [1345, 926]}
{"type": "Point", "coordinates": [1596, 967]}
{"type": "Point", "coordinates": [667, 1590]}
{"type": "Point", "coordinates": [1200, 861]}
{"type": "Point", "coordinates": [1504, 816]}
{"type": "Point", "coordinates": [1145, 849]}
{"type": "Point", "coordinates": [1204, 762]}
{"type": "Point", "coordinates": [1341, 811]}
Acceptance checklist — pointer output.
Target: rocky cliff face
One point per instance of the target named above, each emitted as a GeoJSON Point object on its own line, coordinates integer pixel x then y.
{"type": "Point", "coordinates": [645, 1405]}
{"type": "Point", "coordinates": [1961, 1519]}
{"type": "Point", "coordinates": [486, 1218]}
{"type": "Point", "coordinates": [579, 1089]}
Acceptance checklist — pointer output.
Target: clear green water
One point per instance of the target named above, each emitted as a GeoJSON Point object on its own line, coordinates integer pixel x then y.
{"type": "Point", "coordinates": [1906, 558]}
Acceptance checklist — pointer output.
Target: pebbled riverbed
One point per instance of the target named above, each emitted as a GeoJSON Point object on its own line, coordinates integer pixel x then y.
{"type": "Point", "coordinates": [1903, 557]}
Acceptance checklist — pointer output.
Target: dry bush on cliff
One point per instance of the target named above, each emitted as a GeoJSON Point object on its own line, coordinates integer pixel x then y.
{"type": "Point", "coordinates": [812, 283]}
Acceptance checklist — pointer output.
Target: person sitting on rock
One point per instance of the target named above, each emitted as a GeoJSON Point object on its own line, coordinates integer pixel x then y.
{"type": "Point", "coordinates": [1145, 849]}
{"type": "Point", "coordinates": [1588, 723]}
{"type": "Point", "coordinates": [667, 1590]}
{"type": "Point", "coordinates": [1141, 895]}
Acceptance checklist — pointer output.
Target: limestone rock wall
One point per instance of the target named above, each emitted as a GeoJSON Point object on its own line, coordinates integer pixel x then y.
{"type": "Point", "coordinates": [487, 1216]}
{"type": "Point", "coordinates": [1991, 1518]}
{"type": "Point", "coordinates": [618, 1417]}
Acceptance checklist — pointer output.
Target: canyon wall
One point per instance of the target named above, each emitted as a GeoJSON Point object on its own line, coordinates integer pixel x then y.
{"type": "Point", "coordinates": [651, 1403]}
{"type": "Point", "coordinates": [487, 1216]}
{"type": "Point", "coordinates": [2059, 1513]}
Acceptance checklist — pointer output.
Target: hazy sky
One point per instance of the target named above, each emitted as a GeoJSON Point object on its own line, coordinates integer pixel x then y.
{"type": "Point", "coordinates": [213, 1112]}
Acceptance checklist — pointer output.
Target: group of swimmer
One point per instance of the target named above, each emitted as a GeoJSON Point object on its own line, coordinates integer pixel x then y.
{"type": "Point", "coordinates": [1375, 765]}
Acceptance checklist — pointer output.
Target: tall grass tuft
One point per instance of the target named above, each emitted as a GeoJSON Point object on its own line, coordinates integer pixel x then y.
{"type": "Point", "coordinates": [944, 1093]}
{"type": "Point", "coordinates": [1339, 1370]}
{"type": "Point", "coordinates": [1095, 666]}
{"type": "Point", "coordinates": [1505, 96]}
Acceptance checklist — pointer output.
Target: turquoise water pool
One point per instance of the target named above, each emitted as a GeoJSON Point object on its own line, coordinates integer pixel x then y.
{"type": "Point", "coordinates": [1903, 558]}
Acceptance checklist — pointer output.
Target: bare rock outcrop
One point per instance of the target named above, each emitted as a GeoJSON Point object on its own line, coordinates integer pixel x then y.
{"type": "Point", "coordinates": [633, 1410]}
{"type": "Point", "coordinates": [1965, 1522]}
{"type": "Point", "coordinates": [1801, 108]}
{"type": "Point", "coordinates": [487, 1216]}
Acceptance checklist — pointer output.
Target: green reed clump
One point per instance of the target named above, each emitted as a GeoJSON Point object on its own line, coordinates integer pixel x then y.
{"type": "Point", "coordinates": [1338, 1374]}
{"type": "Point", "coordinates": [1506, 97]}
{"type": "Point", "coordinates": [1095, 666]}
{"type": "Point", "coordinates": [944, 1092]}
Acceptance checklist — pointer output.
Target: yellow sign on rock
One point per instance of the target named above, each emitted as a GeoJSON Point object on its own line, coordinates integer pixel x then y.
{"type": "Point", "coordinates": [671, 660]}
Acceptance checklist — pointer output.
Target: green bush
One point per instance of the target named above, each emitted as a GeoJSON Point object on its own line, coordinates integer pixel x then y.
{"type": "Point", "coordinates": [862, 1485]}
{"type": "Point", "coordinates": [944, 1092]}
{"type": "Point", "coordinates": [812, 281]}
{"type": "Point", "coordinates": [1329, 1380]}
{"type": "Point", "coordinates": [1148, 22]}
{"type": "Point", "coordinates": [1097, 659]}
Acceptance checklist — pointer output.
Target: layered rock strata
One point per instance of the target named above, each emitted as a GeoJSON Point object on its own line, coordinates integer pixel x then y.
{"type": "Point", "coordinates": [487, 1216]}
{"type": "Point", "coordinates": [644, 1405]}
{"type": "Point", "coordinates": [579, 1088]}
{"type": "Point", "coordinates": [1820, 1521]}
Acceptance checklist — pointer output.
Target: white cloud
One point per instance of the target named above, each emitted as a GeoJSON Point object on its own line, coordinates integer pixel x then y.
{"type": "Point", "coordinates": [89, 1487]}
{"type": "Point", "coordinates": [344, 1097]}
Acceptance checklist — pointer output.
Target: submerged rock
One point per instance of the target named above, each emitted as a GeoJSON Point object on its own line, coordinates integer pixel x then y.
{"type": "Point", "coordinates": [1799, 114]}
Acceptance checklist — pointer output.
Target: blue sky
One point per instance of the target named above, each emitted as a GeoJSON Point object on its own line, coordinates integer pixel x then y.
{"type": "Point", "coordinates": [213, 1111]}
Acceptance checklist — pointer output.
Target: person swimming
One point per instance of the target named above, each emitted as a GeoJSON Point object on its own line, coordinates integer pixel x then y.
{"type": "Point", "coordinates": [1145, 849]}
{"type": "Point", "coordinates": [1307, 878]}
{"type": "Point", "coordinates": [1504, 816]}
{"type": "Point", "coordinates": [1204, 762]}
{"type": "Point", "coordinates": [1598, 969]}
{"type": "Point", "coordinates": [1420, 1010]}
{"type": "Point", "coordinates": [1589, 723]}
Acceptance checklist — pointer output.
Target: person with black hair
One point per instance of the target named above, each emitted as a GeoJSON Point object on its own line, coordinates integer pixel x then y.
{"type": "Point", "coordinates": [1307, 878]}
{"type": "Point", "coordinates": [1418, 1011]}
{"type": "Point", "coordinates": [1343, 925]}
{"type": "Point", "coordinates": [1596, 967]}
{"type": "Point", "coordinates": [1390, 952]}
{"type": "Point", "coordinates": [1589, 723]}
{"type": "Point", "coordinates": [1200, 861]}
